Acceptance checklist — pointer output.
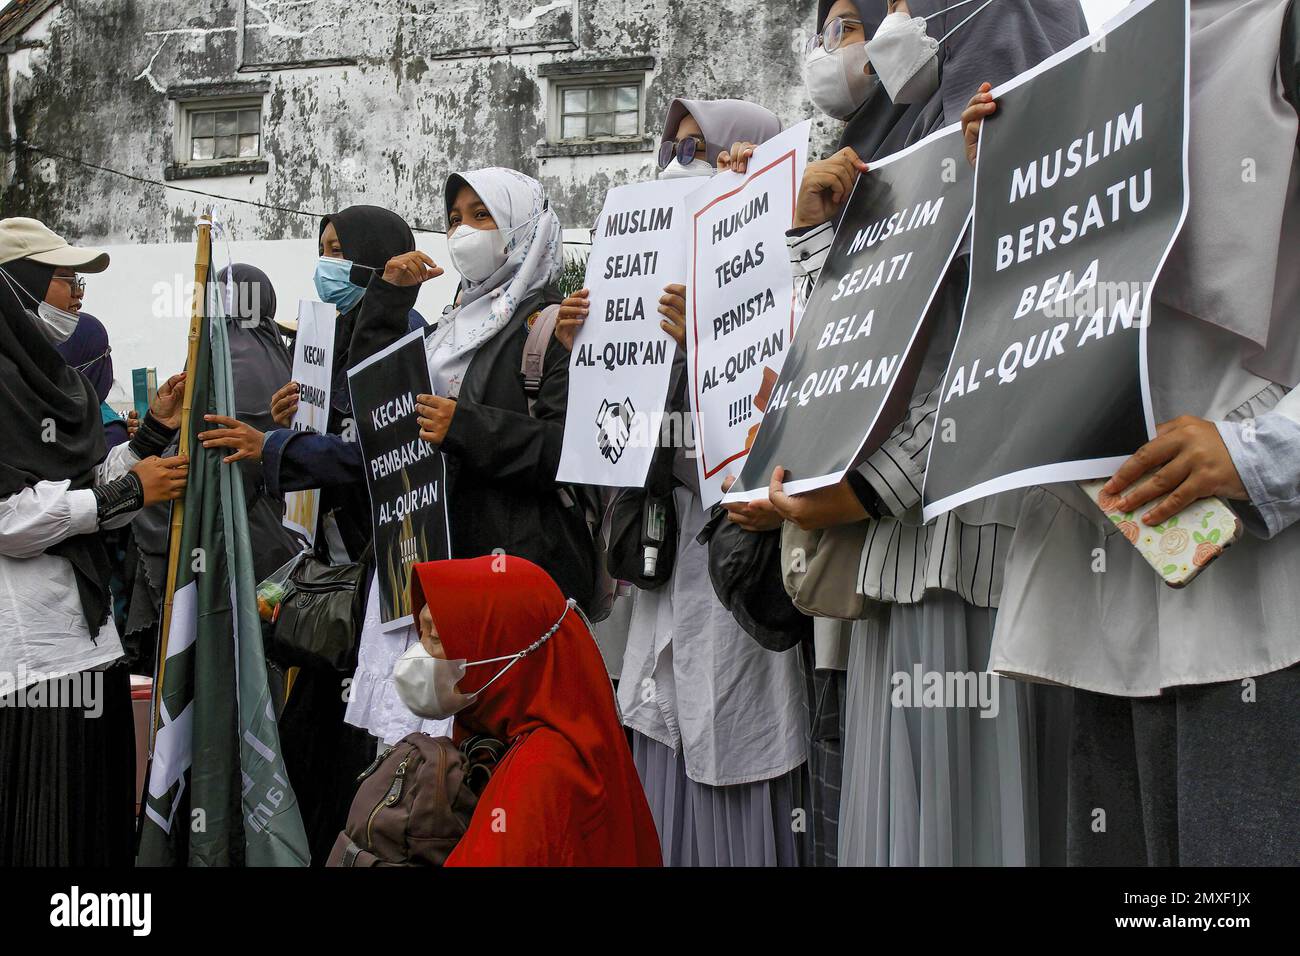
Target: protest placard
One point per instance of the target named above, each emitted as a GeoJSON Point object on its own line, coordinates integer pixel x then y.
{"type": "Point", "coordinates": [622, 358]}
{"type": "Point", "coordinates": [313, 360]}
{"type": "Point", "coordinates": [740, 303]}
{"type": "Point", "coordinates": [405, 475]}
{"type": "Point", "coordinates": [1080, 192]}
{"type": "Point", "coordinates": [850, 373]}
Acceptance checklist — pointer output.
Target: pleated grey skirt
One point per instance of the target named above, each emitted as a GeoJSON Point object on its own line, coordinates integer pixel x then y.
{"type": "Point", "coordinates": [751, 824]}
{"type": "Point", "coordinates": [934, 782]}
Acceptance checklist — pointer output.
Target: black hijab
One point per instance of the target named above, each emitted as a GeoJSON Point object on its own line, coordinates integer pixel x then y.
{"type": "Point", "coordinates": [370, 236]}
{"type": "Point", "coordinates": [259, 365]}
{"type": "Point", "coordinates": [39, 391]}
{"type": "Point", "coordinates": [34, 277]}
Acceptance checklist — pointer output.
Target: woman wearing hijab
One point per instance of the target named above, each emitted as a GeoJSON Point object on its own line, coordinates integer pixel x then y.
{"type": "Point", "coordinates": [502, 650]}
{"type": "Point", "coordinates": [719, 724]}
{"type": "Point", "coordinates": [354, 245]}
{"type": "Point", "coordinates": [66, 733]}
{"type": "Point", "coordinates": [87, 350]}
{"type": "Point", "coordinates": [501, 458]}
{"type": "Point", "coordinates": [259, 363]}
{"type": "Point", "coordinates": [937, 585]}
{"type": "Point", "coordinates": [505, 241]}
{"type": "Point", "coordinates": [1185, 729]}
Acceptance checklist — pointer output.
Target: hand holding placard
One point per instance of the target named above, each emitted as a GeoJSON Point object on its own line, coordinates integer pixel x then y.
{"type": "Point", "coordinates": [825, 188]}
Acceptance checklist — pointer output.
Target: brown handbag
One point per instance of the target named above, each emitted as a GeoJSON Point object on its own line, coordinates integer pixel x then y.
{"type": "Point", "coordinates": [415, 802]}
{"type": "Point", "coordinates": [822, 569]}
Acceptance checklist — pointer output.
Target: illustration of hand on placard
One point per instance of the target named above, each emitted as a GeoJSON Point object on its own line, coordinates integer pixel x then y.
{"type": "Point", "coordinates": [613, 427]}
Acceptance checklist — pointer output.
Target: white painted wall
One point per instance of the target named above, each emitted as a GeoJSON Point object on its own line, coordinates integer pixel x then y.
{"type": "Point", "coordinates": [143, 298]}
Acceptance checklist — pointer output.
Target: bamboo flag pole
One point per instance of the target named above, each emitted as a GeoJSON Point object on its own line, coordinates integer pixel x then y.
{"type": "Point", "coordinates": [198, 314]}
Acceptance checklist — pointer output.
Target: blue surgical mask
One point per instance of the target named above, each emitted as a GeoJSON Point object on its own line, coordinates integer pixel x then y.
{"type": "Point", "coordinates": [334, 283]}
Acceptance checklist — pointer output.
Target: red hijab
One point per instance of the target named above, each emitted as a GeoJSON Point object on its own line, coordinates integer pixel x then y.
{"type": "Point", "coordinates": [566, 793]}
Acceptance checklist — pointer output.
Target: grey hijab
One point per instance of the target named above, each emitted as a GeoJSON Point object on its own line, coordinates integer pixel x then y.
{"type": "Point", "coordinates": [999, 42]}
{"type": "Point", "coordinates": [723, 122]}
{"type": "Point", "coordinates": [1234, 263]}
{"type": "Point", "coordinates": [258, 359]}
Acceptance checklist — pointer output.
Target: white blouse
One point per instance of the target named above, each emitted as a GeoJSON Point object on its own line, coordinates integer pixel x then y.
{"type": "Point", "coordinates": [43, 631]}
{"type": "Point", "coordinates": [1122, 631]}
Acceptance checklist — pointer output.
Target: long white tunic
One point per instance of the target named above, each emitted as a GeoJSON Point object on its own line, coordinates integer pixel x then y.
{"type": "Point", "coordinates": [696, 682]}
{"type": "Point", "coordinates": [43, 632]}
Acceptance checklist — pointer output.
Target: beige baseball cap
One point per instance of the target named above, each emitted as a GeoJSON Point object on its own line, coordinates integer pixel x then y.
{"type": "Point", "coordinates": [22, 238]}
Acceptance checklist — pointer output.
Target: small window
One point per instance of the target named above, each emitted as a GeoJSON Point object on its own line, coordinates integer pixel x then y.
{"type": "Point", "coordinates": [599, 109]}
{"type": "Point", "coordinates": [217, 130]}
{"type": "Point", "coordinates": [225, 134]}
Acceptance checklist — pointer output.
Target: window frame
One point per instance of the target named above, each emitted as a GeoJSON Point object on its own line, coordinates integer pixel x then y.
{"type": "Point", "coordinates": [189, 108]}
{"type": "Point", "coordinates": [555, 113]}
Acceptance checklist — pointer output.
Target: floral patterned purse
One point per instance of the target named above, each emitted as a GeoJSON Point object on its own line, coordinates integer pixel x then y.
{"type": "Point", "coordinates": [1183, 546]}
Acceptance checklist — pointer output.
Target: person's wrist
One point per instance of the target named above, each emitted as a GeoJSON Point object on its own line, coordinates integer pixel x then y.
{"type": "Point", "coordinates": [152, 437]}
{"type": "Point", "coordinates": [858, 486]}
{"type": "Point", "coordinates": [120, 496]}
{"type": "Point", "coordinates": [802, 221]}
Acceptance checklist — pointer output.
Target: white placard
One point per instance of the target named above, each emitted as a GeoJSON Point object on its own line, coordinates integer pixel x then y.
{"type": "Point", "coordinates": [313, 362]}
{"type": "Point", "coordinates": [740, 303]}
{"type": "Point", "coordinates": [622, 359]}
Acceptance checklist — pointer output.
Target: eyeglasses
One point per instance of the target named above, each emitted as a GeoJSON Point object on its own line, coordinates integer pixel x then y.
{"type": "Point", "coordinates": [832, 34]}
{"type": "Point", "coordinates": [684, 149]}
{"type": "Point", "coordinates": [74, 282]}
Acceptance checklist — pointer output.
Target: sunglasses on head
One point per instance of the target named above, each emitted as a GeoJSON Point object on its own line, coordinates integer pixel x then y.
{"type": "Point", "coordinates": [686, 150]}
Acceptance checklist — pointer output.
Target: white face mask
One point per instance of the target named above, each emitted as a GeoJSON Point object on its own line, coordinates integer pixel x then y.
{"type": "Point", "coordinates": [697, 167]}
{"type": "Point", "coordinates": [427, 684]}
{"type": "Point", "coordinates": [477, 253]}
{"type": "Point", "coordinates": [838, 82]}
{"type": "Point", "coordinates": [58, 325]}
{"type": "Point", "coordinates": [906, 58]}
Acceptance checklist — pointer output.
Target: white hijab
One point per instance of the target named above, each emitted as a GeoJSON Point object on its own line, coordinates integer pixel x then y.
{"type": "Point", "coordinates": [534, 258]}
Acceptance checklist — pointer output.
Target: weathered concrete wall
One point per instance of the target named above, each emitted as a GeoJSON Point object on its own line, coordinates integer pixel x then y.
{"type": "Point", "coordinates": [436, 85]}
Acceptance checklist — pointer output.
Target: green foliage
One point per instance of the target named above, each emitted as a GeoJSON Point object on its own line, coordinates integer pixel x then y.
{"type": "Point", "coordinates": [574, 274]}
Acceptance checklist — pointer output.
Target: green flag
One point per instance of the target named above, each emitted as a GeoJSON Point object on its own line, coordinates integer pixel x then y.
{"type": "Point", "coordinates": [218, 793]}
